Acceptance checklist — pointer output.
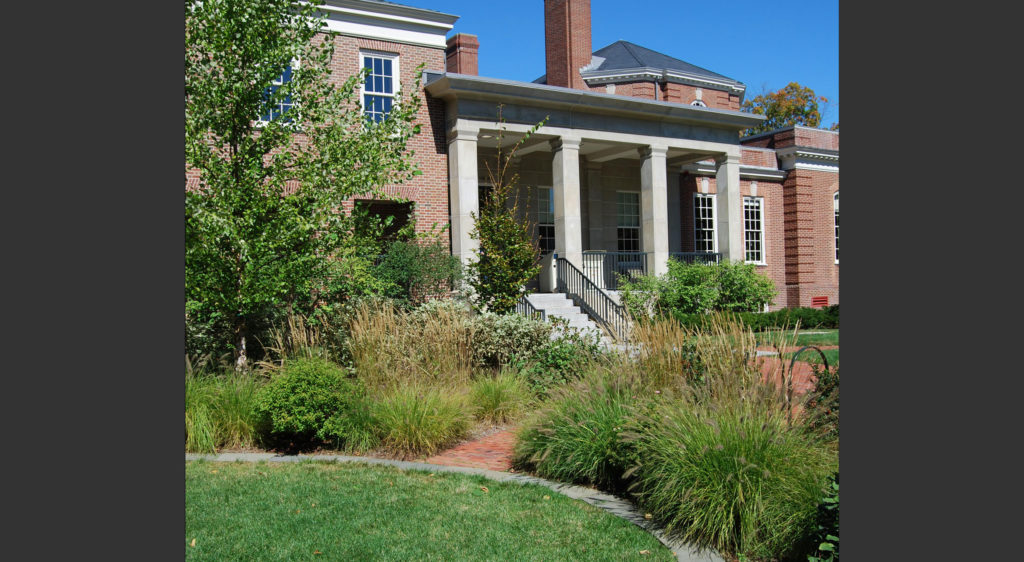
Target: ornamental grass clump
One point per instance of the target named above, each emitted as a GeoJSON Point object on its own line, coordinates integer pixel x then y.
{"type": "Point", "coordinates": [739, 480]}
{"type": "Point", "coordinates": [415, 421]}
{"type": "Point", "coordinates": [576, 437]}
{"type": "Point", "coordinates": [501, 398]}
{"type": "Point", "coordinates": [219, 411]}
{"type": "Point", "coordinates": [430, 346]}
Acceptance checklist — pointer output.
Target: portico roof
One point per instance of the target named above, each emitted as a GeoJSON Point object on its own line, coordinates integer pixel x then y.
{"type": "Point", "coordinates": [475, 97]}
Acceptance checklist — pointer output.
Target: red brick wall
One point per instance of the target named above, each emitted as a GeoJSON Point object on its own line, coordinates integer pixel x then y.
{"type": "Point", "coordinates": [672, 92]}
{"type": "Point", "coordinates": [797, 136]}
{"type": "Point", "coordinates": [462, 54]}
{"type": "Point", "coordinates": [763, 158]}
{"type": "Point", "coordinates": [811, 270]}
{"type": "Point", "coordinates": [773, 224]}
{"type": "Point", "coordinates": [567, 44]}
{"type": "Point", "coordinates": [428, 192]}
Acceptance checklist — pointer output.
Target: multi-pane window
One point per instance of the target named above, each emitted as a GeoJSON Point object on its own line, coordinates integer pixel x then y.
{"type": "Point", "coordinates": [379, 86]}
{"type": "Point", "coordinates": [628, 221]}
{"type": "Point", "coordinates": [753, 229]}
{"type": "Point", "coordinates": [273, 111]}
{"type": "Point", "coordinates": [704, 222]}
{"type": "Point", "coordinates": [835, 205]}
{"type": "Point", "coordinates": [545, 220]}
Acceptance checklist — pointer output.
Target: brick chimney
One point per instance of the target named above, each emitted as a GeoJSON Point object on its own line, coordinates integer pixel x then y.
{"type": "Point", "coordinates": [567, 45]}
{"type": "Point", "coordinates": [461, 54]}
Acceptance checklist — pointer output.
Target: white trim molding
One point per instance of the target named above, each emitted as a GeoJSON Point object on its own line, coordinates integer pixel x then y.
{"type": "Point", "coordinates": [804, 158]}
{"type": "Point", "coordinates": [388, 22]}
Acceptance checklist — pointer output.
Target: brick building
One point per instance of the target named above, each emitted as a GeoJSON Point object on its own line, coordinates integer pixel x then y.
{"type": "Point", "coordinates": [641, 157]}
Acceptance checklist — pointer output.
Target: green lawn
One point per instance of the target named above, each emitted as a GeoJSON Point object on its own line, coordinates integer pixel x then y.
{"type": "Point", "coordinates": [286, 511]}
{"type": "Point", "coordinates": [818, 336]}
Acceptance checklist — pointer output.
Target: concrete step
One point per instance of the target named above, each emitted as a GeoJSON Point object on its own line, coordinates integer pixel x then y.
{"type": "Point", "coordinates": [559, 305]}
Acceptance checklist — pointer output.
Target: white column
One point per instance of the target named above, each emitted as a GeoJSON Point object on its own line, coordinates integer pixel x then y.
{"type": "Point", "coordinates": [595, 205]}
{"type": "Point", "coordinates": [565, 171]}
{"type": "Point", "coordinates": [654, 208]}
{"type": "Point", "coordinates": [675, 216]}
{"type": "Point", "coordinates": [730, 207]}
{"type": "Point", "coordinates": [463, 195]}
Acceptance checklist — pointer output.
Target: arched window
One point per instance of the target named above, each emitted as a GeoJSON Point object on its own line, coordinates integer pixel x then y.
{"type": "Point", "coordinates": [835, 206]}
{"type": "Point", "coordinates": [698, 103]}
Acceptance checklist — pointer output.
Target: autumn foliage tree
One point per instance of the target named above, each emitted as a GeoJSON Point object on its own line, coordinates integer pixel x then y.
{"type": "Point", "coordinates": [791, 105]}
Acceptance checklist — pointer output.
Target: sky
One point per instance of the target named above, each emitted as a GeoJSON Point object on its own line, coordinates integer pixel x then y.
{"type": "Point", "coordinates": [765, 44]}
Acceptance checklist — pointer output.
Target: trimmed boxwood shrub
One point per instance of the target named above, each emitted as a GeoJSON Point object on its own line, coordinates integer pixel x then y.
{"type": "Point", "coordinates": [307, 400]}
{"type": "Point", "coordinates": [827, 317]}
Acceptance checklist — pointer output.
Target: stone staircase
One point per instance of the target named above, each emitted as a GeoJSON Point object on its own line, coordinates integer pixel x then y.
{"type": "Point", "coordinates": [561, 306]}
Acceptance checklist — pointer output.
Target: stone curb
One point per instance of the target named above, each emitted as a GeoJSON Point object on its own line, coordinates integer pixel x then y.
{"type": "Point", "coordinates": [612, 504]}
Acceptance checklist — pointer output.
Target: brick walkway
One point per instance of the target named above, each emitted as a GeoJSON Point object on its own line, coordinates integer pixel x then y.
{"type": "Point", "coordinates": [493, 452]}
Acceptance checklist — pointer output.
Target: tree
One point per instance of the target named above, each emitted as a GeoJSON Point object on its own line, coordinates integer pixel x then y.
{"type": "Point", "coordinates": [508, 256]}
{"type": "Point", "coordinates": [278, 147]}
{"type": "Point", "coordinates": [791, 105]}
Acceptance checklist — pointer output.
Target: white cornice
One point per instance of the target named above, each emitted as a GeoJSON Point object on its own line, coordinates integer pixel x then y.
{"type": "Point", "coordinates": [746, 172]}
{"type": "Point", "coordinates": [805, 158]}
{"type": "Point", "coordinates": [387, 22]}
{"type": "Point", "coordinates": [654, 74]}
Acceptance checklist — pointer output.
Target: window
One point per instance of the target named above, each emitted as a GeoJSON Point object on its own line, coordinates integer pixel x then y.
{"type": "Point", "coordinates": [698, 103]}
{"type": "Point", "coordinates": [273, 111]}
{"type": "Point", "coordinates": [753, 229]}
{"type": "Point", "coordinates": [389, 219]}
{"type": "Point", "coordinates": [628, 217]}
{"type": "Point", "coordinates": [545, 220]}
{"type": "Point", "coordinates": [704, 223]}
{"type": "Point", "coordinates": [835, 206]}
{"type": "Point", "coordinates": [380, 85]}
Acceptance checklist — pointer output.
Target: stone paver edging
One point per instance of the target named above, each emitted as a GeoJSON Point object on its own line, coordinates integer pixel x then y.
{"type": "Point", "coordinates": [612, 504]}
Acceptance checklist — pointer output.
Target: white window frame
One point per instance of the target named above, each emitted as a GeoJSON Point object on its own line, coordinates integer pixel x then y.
{"type": "Point", "coordinates": [714, 213]}
{"type": "Point", "coordinates": [698, 103]}
{"type": "Point", "coordinates": [395, 79]}
{"type": "Point", "coordinates": [551, 204]}
{"type": "Point", "coordinates": [761, 213]}
{"type": "Point", "coordinates": [639, 227]}
{"type": "Point", "coordinates": [835, 221]}
{"type": "Point", "coordinates": [260, 122]}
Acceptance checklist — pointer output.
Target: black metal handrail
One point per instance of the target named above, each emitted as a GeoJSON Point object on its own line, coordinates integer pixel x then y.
{"type": "Point", "coordinates": [592, 300]}
{"type": "Point", "coordinates": [526, 308]}
{"type": "Point", "coordinates": [605, 268]}
{"type": "Point", "coordinates": [691, 257]}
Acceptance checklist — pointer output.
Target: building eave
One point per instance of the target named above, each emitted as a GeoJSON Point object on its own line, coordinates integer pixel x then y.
{"type": "Point", "coordinates": [450, 86]}
{"type": "Point", "coordinates": [657, 74]}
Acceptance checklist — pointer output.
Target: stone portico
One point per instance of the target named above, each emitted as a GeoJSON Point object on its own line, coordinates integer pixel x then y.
{"type": "Point", "coordinates": [592, 147]}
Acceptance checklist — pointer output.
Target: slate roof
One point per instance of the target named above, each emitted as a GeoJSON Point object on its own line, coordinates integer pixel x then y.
{"type": "Point", "coordinates": [625, 56]}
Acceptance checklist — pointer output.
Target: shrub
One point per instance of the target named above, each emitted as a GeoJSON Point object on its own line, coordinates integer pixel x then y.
{"type": "Point", "coordinates": [823, 405]}
{"type": "Point", "coordinates": [499, 399]}
{"type": "Point", "coordinates": [500, 340]}
{"type": "Point", "coordinates": [416, 421]}
{"type": "Point", "coordinates": [691, 288]}
{"type": "Point", "coordinates": [355, 430]}
{"type": "Point", "coordinates": [739, 480]}
{"type": "Point", "coordinates": [808, 318]}
{"type": "Point", "coordinates": [219, 411]}
{"type": "Point", "coordinates": [826, 539]}
{"type": "Point", "coordinates": [576, 436]}
{"type": "Point", "coordinates": [419, 270]}
{"type": "Point", "coordinates": [298, 402]}
{"type": "Point", "coordinates": [559, 360]}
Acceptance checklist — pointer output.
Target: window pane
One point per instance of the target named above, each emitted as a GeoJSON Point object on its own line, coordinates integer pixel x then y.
{"type": "Point", "coordinates": [377, 66]}
{"type": "Point", "coordinates": [368, 63]}
{"type": "Point", "coordinates": [378, 84]}
{"type": "Point", "coordinates": [387, 67]}
{"type": "Point", "coordinates": [387, 86]}
{"type": "Point", "coordinates": [387, 104]}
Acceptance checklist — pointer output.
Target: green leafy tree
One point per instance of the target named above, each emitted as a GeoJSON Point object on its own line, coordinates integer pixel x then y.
{"type": "Point", "coordinates": [791, 105]}
{"type": "Point", "coordinates": [278, 146]}
{"type": "Point", "coordinates": [508, 256]}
